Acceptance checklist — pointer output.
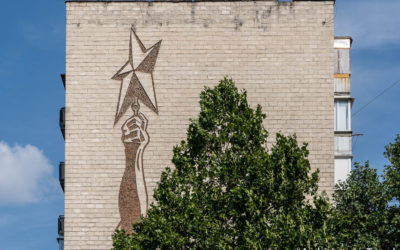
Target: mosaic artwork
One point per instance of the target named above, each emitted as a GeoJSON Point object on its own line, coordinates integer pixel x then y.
{"type": "Point", "coordinates": [137, 86]}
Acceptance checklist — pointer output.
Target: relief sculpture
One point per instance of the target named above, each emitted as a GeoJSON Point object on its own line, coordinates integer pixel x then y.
{"type": "Point", "coordinates": [137, 86]}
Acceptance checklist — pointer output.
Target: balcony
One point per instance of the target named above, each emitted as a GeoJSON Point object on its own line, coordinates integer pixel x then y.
{"type": "Point", "coordinates": [61, 176]}
{"type": "Point", "coordinates": [62, 121]}
{"type": "Point", "coordinates": [342, 46]}
{"type": "Point", "coordinates": [63, 79]}
{"type": "Point", "coordinates": [61, 225]}
{"type": "Point", "coordinates": [60, 238]}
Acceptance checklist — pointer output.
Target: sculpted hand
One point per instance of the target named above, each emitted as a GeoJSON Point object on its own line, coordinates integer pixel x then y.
{"type": "Point", "coordinates": [133, 130]}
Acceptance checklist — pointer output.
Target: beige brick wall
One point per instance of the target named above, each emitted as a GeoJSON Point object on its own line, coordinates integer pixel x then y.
{"type": "Point", "coordinates": [282, 54]}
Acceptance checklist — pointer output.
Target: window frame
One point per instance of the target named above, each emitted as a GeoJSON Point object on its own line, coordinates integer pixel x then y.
{"type": "Point", "coordinates": [348, 103]}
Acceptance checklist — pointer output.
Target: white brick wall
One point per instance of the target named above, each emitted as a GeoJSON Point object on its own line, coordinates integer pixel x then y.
{"type": "Point", "coordinates": [280, 53]}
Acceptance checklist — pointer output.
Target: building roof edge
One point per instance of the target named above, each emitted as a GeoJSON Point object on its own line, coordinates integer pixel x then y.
{"type": "Point", "coordinates": [178, 1]}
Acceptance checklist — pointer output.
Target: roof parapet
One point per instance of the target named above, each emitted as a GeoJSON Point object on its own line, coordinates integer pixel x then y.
{"type": "Point", "coordinates": [177, 1]}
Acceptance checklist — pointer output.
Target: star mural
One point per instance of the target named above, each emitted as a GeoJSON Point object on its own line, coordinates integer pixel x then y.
{"type": "Point", "coordinates": [136, 77]}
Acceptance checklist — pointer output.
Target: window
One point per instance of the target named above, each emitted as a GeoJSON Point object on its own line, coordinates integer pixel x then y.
{"type": "Point", "coordinates": [342, 115]}
{"type": "Point", "coordinates": [342, 169]}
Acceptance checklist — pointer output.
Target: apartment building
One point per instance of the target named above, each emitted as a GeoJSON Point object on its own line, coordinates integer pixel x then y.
{"type": "Point", "coordinates": [134, 72]}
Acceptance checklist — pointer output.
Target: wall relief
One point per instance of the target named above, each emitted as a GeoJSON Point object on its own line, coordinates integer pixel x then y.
{"type": "Point", "coordinates": [137, 86]}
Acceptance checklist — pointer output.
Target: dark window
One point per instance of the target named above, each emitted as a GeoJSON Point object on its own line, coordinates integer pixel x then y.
{"type": "Point", "coordinates": [62, 121]}
{"type": "Point", "coordinates": [62, 174]}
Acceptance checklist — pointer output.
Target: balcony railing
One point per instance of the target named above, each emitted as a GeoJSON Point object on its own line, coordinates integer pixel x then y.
{"type": "Point", "coordinates": [60, 238]}
{"type": "Point", "coordinates": [62, 121]}
{"type": "Point", "coordinates": [61, 176]}
{"type": "Point", "coordinates": [60, 241]}
{"type": "Point", "coordinates": [343, 145]}
{"type": "Point", "coordinates": [342, 84]}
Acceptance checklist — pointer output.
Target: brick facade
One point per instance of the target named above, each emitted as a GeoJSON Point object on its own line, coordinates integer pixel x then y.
{"type": "Point", "coordinates": [281, 53]}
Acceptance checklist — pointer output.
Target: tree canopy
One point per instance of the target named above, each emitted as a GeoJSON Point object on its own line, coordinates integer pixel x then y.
{"type": "Point", "coordinates": [227, 190]}
{"type": "Point", "coordinates": [360, 209]}
{"type": "Point", "coordinates": [366, 205]}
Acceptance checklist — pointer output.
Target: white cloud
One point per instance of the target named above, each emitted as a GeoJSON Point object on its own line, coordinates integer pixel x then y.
{"type": "Point", "coordinates": [371, 23]}
{"type": "Point", "coordinates": [25, 174]}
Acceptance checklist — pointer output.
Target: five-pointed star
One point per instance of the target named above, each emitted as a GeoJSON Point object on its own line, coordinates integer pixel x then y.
{"type": "Point", "coordinates": [136, 77]}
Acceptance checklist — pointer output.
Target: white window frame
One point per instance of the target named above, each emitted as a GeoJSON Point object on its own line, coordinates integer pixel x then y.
{"type": "Point", "coordinates": [336, 106]}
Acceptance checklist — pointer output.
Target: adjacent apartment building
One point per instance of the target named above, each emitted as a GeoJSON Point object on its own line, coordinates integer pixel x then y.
{"type": "Point", "coordinates": [134, 72]}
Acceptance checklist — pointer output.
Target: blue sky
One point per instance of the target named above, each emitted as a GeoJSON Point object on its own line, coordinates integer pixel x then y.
{"type": "Point", "coordinates": [32, 55]}
{"type": "Point", "coordinates": [375, 28]}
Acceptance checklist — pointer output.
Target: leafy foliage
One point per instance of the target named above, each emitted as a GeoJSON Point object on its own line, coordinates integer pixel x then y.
{"type": "Point", "coordinates": [392, 172]}
{"type": "Point", "coordinates": [227, 191]}
{"type": "Point", "coordinates": [392, 182]}
{"type": "Point", "coordinates": [361, 205]}
{"type": "Point", "coordinates": [366, 213]}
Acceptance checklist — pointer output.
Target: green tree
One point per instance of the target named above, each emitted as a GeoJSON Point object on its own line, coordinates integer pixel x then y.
{"type": "Point", "coordinates": [366, 212]}
{"type": "Point", "coordinates": [392, 182]}
{"type": "Point", "coordinates": [228, 191]}
{"type": "Point", "coordinates": [361, 204]}
{"type": "Point", "coordinates": [392, 172]}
